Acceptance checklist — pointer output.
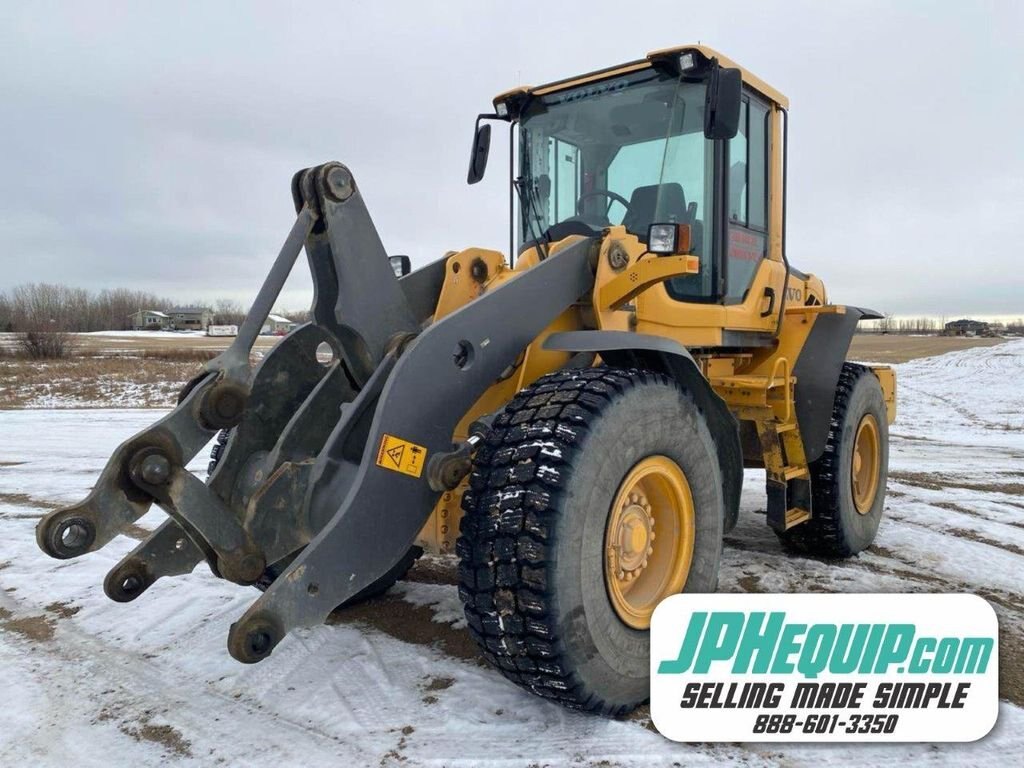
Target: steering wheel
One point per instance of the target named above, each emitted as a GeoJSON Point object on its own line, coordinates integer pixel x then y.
{"type": "Point", "coordinates": [613, 197]}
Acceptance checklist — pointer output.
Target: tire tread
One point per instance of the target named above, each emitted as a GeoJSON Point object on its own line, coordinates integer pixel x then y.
{"type": "Point", "coordinates": [508, 531]}
{"type": "Point", "coordinates": [823, 534]}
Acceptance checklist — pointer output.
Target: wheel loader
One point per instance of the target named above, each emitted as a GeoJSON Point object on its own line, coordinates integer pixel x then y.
{"type": "Point", "coordinates": [571, 420]}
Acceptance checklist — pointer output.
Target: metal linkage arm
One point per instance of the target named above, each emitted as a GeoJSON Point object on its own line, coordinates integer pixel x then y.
{"type": "Point", "coordinates": [279, 415]}
{"type": "Point", "coordinates": [216, 399]}
{"type": "Point", "coordinates": [371, 493]}
{"type": "Point", "coordinates": [116, 501]}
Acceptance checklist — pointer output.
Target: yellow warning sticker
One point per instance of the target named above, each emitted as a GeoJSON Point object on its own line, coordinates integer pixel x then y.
{"type": "Point", "coordinates": [400, 455]}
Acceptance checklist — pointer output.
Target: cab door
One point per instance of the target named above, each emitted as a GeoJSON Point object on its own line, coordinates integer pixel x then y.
{"type": "Point", "coordinates": [753, 281]}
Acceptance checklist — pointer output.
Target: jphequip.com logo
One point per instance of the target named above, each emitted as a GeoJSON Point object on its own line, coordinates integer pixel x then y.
{"type": "Point", "coordinates": [824, 668]}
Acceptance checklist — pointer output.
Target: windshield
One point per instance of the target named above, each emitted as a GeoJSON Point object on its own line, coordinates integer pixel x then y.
{"type": "Point", "coordinates": [629, 150]}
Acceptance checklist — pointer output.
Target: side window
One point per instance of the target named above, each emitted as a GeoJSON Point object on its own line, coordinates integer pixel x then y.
{"type": "Point", "coordinates": [738, 170]}
{"type": "Point", "coordinates": [678, 162]}
{"type": "Point", "coordinates": [564, 167]}
{"type": "Point", "coordinates": [757, 176]}
{"type": "Point", "coordinates": [748, 199]}
{"type": "Point", "coordinates": [677, 169]}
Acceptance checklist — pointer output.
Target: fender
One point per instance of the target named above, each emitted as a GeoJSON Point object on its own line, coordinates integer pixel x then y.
{"type": "Point", "coordinates": [628, 350]}
{"type": "Point", "coordinates": [817, 372]}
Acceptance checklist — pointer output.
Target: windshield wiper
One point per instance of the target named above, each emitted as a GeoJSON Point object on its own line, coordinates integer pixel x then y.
{"type": "Point", "coordinates": [528, 209]}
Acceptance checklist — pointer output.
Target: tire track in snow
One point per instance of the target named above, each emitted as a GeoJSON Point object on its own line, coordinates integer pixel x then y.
{"type": "Point", "coordinates": [322, 696]}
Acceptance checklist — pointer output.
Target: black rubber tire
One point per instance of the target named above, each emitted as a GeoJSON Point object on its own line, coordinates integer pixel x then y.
{"type": "Point", "coordinates": [379, 587]}
{"type": "Point", "coordinates": [218, 449]}
{"type": "Point", "coordinates": [836, 529]}
{"type": "Point", "coordinates": [531, 549]}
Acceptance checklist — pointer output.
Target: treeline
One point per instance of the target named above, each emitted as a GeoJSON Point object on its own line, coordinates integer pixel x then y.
{"type": "Point", "coordinates": [930, 325]}
{"type": "Point", "coordinates": [51, 307]}
{"type": "Point", "coordinates": [922, 325]}
{"type": "Point", "coordinates": [48, 307]}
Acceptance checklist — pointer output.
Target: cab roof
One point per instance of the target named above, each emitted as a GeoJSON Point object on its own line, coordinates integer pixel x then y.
{"type": "Point", "coordinates": [749, 78]}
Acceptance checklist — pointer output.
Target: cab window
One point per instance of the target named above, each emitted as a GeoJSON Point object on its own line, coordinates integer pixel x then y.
{"type": "Point", "coordinates": [567, 175]}
{"type": "Point", "coordinates": [748, 199]}
{"type": "Point", "coordinates": [629, 150]}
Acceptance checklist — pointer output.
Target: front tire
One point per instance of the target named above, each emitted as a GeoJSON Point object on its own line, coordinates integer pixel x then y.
{"type": "Point", "coordinates": [555, 514]}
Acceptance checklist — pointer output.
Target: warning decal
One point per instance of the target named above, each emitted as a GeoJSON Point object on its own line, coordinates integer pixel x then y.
{"type": "Point", "coordinates": [400, 455]}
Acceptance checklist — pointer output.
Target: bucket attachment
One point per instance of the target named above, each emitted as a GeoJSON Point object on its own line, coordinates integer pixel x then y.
{"type": "Point", "coordinates": [331, 468]}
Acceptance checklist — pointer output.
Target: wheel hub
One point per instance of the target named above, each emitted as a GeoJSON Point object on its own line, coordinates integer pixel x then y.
{"type": "Point", "coordinates": [633, 539]}
{"type": "Point", "coordinates": [865, 468]}
{"type": "Point", "coordinates": [643, 567]}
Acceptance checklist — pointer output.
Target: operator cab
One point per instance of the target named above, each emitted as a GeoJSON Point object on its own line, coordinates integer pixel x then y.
{"type": "Point", "coordinates": [682, 137]}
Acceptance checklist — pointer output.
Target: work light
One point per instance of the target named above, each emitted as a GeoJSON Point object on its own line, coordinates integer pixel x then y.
{"type": "Point", "coordinates": [668, 238]}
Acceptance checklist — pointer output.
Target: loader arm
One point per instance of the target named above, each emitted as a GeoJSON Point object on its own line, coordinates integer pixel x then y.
{"type": "Point", "coordinates": [330, 462]}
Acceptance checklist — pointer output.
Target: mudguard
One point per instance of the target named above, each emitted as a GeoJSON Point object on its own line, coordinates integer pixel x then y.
{"type": "Point", "coordinates": [817, 371]}
{"type": "Point", "coordinates": [625, 349]}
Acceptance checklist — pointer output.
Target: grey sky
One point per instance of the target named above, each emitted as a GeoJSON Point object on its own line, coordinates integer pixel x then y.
{"type": "Point", "coordinates": [151, 145]}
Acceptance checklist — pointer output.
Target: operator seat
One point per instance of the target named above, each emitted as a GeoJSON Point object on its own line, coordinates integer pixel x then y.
{"type": "Point", "coordinates": [656, 203]}
{"type": "Point", "coordinates": [662, 204]}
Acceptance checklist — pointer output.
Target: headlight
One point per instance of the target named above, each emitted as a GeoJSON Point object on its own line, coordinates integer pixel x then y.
{"type": "Point", "coordinates": [668, 238]}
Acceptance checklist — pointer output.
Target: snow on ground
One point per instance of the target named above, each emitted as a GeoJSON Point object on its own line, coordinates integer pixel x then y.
{"type": "Point", "coordinates": [396, 681]}
{"type": "Point", "coordinates": [66, 392]}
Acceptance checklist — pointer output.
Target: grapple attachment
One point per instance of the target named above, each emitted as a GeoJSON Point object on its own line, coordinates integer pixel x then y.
{"type": "Point", "coordinates": [331, 468]}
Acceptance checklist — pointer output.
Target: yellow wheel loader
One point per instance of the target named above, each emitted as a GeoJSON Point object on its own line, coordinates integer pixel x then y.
{"type": "Point", "coordinates": [571, 420]}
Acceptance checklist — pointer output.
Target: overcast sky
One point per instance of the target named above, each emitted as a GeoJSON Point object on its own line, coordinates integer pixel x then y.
{"type": "Point", "coordinates": [151, 145]}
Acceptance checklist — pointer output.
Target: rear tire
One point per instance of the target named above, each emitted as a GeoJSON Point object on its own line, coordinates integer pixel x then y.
{"type": "Point", "coordinates": [845, 511]}
{"type": "Point", "coordinates": [533, 546]}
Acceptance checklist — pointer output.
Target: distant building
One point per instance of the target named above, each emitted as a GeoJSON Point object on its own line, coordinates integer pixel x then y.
{"type": "Point", "coordinates": [277, 325]}
{"type": "Point", "coordinates": [967, 328]}
{"type": "Point", "coordinates": [149, 320]}
{"type": "Point", "coordinates": [190, 318]}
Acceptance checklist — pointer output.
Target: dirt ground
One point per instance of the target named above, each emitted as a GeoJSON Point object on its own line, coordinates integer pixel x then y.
{"type": "Point", "coordinates": [93, 382]}
{"type": "Point", "coordinates": [890, 348]}
{"type": "Point", "coordinates": [130, 371]}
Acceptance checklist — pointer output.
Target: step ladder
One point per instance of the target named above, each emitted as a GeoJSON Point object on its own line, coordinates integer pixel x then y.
{"type": "Point", "coordinates": [767, 402]}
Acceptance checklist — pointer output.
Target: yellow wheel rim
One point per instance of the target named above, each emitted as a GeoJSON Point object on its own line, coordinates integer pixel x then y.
{"type": "Point", "coordinates": [866, 465]}
{"type": "Point", "coordinates": [649, 539]}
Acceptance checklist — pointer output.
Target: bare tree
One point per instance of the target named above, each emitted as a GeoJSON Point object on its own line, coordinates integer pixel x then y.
{"type": "Point", "coordinates": [296, 316]}
{"type": "Point", "coordinates": [6, 314]}
{"type": "Point", "coordinates": [228, 312]}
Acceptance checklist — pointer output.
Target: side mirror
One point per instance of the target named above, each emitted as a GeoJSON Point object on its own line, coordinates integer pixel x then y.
{"type": "Point", "coordinates": [722, 103]}
{"type": "Point", "coordinates": [478, 158]}
{"type": "Point", "coordinates": [401, 265]}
